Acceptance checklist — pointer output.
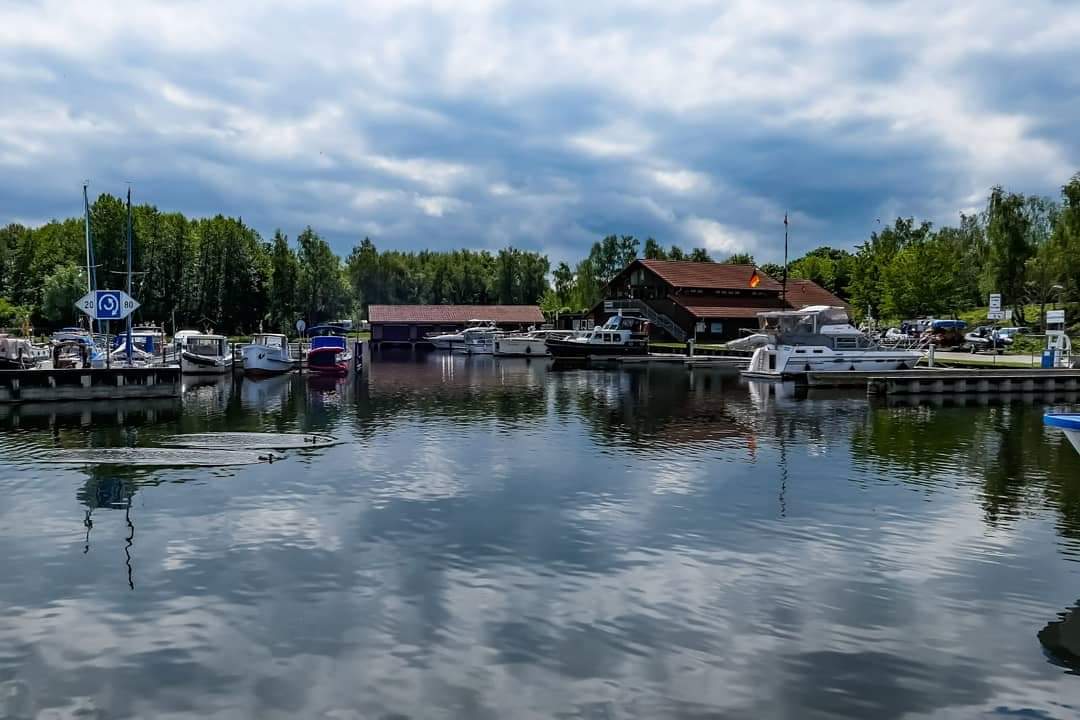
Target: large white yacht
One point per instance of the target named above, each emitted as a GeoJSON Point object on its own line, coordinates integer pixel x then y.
{"type": "Point", "coordinates": [819, 338]}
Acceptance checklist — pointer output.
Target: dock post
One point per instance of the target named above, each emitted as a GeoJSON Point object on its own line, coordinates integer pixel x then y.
{"type": "Point", "coordinates": [931, 358]}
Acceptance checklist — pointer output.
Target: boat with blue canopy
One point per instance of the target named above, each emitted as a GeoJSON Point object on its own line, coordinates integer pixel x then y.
{"type": "Point", "coordinates": [329, 352]}
{"type": "Point", "coordinates": [1069, 423]}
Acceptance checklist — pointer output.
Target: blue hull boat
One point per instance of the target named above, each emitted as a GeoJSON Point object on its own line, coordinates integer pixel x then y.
{"type": "Point", "coordinates": [1069, 424]}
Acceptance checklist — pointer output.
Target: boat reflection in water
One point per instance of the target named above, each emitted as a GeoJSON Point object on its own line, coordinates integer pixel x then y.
{"type": "Point", "coordinates": [1061, 640]}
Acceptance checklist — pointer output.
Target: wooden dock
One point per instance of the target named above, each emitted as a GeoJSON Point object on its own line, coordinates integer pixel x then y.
{"type": "Point", "coordinates": [19, 386]}
{"type": "Point", "coordinates": [937, 382]}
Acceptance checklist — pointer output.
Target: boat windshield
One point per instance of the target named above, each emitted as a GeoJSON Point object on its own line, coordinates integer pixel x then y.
{"type": "Point", "coordinates": [269, 340]}
{"type": "Point", "coordinates": [206, 346]}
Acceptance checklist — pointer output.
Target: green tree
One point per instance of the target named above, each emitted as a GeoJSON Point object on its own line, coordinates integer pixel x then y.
{"type": "Point", "coordinates": [322, 293]}
{"type": "Point", "coordinates": [741, 258]}
{"type": "Point", "coordinates": [701, 255]}
{"type": "Point", "coordinates": [284, 278]}
{"type": "Point", "coordinates": [919, 280]}
{"type": "Point", "coordinates": [60, 290]}
{"type": "Point", "coordinates": [654, 250]}
{"type": "Point", "coordinates": [1066, 236]}
{"type": "Point", "coordinates": [1008, 227]}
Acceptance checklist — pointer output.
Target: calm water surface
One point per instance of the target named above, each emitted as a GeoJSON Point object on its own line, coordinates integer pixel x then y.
{"type": "Point", "coordinates": [502, 539]}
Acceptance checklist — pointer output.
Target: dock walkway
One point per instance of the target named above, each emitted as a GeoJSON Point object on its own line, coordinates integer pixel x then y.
{"type": "Point", "coordinates": [920, 382]}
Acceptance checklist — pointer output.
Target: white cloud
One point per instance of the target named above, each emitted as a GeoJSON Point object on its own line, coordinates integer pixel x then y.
{"type": "Point", "coordinates": [517, 123]}
{"type": "Point", "coordinates": [717, 236]}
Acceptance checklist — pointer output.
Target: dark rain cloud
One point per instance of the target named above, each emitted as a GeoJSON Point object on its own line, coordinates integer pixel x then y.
{"type": "Point", "coordinates": [481, 124]}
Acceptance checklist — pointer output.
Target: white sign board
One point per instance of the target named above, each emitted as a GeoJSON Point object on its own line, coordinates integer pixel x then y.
{"type": "Point", "coordinates": [1008, 313]}
{"type": "Point", "coordinates": [107, 304]}
{"type": "Point", "coordinates": [995, 315]}
{"type": "Point", "coordinates": [1055, 316]}
{"type": "Point", "coordinates": [699, 327]}
{"type": "Point", "coordinates": [301, 326]}
{"type": "Point", "coordinates": [995, 302]}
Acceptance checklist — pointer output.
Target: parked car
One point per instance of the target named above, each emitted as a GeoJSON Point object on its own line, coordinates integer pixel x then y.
{"type": "Point", "coordinates": [1010, 333]}
{"type": "Point", "coordinates": [983, 338]}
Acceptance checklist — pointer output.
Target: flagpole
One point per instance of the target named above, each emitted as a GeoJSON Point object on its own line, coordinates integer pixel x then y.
{"type": "Point", "coordinates": [783, 292]}
{"type": "Point", "coordinates": [129, 273]}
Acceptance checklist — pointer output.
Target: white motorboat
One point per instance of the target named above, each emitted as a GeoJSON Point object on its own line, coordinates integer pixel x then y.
{"type": "Point", "coordinates": [481, 340]}
{"type": "Point", "coordinates": [527, 344]}
{"type": "Point", "coordinates": [17, 353]}
{"type": "Point", "coordinates": [820, 338]}
{"type": "Point", "coordinates": [206, 355]}
{"type": "Point", "coordinates": [620, 335]}
{"type": "Point", "coordinates": [180, 339]}
{"type": "Point", "coordinates": [456, 340]}
{"type": "Point", "coordinates": [267, 354]}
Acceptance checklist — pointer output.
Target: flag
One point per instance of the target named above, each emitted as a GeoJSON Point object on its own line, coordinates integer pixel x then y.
{"type": "Point", "coordinates": [755, 279]}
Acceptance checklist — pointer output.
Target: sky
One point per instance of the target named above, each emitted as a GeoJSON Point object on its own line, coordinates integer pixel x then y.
{"type": "Point", "coordinates": [543, 125]}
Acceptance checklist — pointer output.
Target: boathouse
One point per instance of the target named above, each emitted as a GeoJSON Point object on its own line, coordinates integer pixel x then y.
{"type": "Point", "coordinates": [408, 324]}
{"type": "Point", "coordinates": [715, 299]}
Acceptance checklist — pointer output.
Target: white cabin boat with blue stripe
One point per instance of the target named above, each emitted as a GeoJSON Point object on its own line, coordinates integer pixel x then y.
{"type": "Point", "coordinates": [820, 338]}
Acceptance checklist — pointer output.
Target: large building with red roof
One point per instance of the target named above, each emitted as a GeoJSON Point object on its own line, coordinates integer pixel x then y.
{"type": "Point", "coordinates": [717, 299]}
{"type": "Point", "coordinates": [407, 324]}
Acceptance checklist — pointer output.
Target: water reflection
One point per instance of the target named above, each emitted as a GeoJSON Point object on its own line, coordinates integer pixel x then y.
{"type": "Point", "coordinates": [496, 539]}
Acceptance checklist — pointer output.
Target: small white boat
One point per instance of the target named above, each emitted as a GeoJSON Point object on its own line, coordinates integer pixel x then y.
{"type": "Point", "coordinates": [481, 341]}
{"type": "Point", "coordinates": [456, 340]}
{"type": "Point", "coordinates": [1069, 423]}
{"type": "Point", "coordinates": [620, 335]}
{"type": "Point", "coordinates": [820, 338]}
{"type": "Point", "coordinates": [18, 353]}
{"type": "Point", "coordinates": [267, 354]}
{"type": "Point", "coordinates": [206, 355]}
{"type": "Point", "coordinates": [527, 344]}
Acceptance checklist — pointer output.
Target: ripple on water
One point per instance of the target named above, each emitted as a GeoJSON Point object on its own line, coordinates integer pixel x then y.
{"type": "Point", "coordinates": [146, 456]}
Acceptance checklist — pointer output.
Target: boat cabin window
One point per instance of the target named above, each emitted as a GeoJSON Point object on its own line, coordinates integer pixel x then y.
{"type": "Point", "coordinates": [206, 346]}
{"type": "Point", "coordinates": [846, 343]}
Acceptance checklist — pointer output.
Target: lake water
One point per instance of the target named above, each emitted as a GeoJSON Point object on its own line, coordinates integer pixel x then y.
{"type": "Point", "coordinates": [500, 539]}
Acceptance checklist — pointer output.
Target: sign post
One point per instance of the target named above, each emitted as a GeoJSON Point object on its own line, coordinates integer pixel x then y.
{"type": "Point", "coordinates": [995, 312]}
{"type": "Point", "coordinates": [106, 305]}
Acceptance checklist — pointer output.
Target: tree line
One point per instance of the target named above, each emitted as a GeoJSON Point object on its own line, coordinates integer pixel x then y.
{"type": "Point", "coordinates": [220, 273]}
{"type": "Point", "coordinates": [1026, 247]}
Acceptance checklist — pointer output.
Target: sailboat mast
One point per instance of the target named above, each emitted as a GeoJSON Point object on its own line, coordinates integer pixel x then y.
{"type": "Point", "coordinates": [86, 212]}
{"type": "Point", "coordinates": [91, 272]}
{"type": "Point", "coordinates": [129, 272]}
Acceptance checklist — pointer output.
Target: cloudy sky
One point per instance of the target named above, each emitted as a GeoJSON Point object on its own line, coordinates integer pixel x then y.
{"type": "Point", "coordinates": [480, 123]}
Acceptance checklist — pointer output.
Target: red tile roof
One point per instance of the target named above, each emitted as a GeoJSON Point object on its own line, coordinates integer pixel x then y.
{"type": "Point", "coordinates": [687, 274]}
{"type": "Point", "coordinates": [454, 314]}
{"type": "Point", "coordinates": [721, 307]}
{"type": "Point", "coordinates": [801, 293]}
